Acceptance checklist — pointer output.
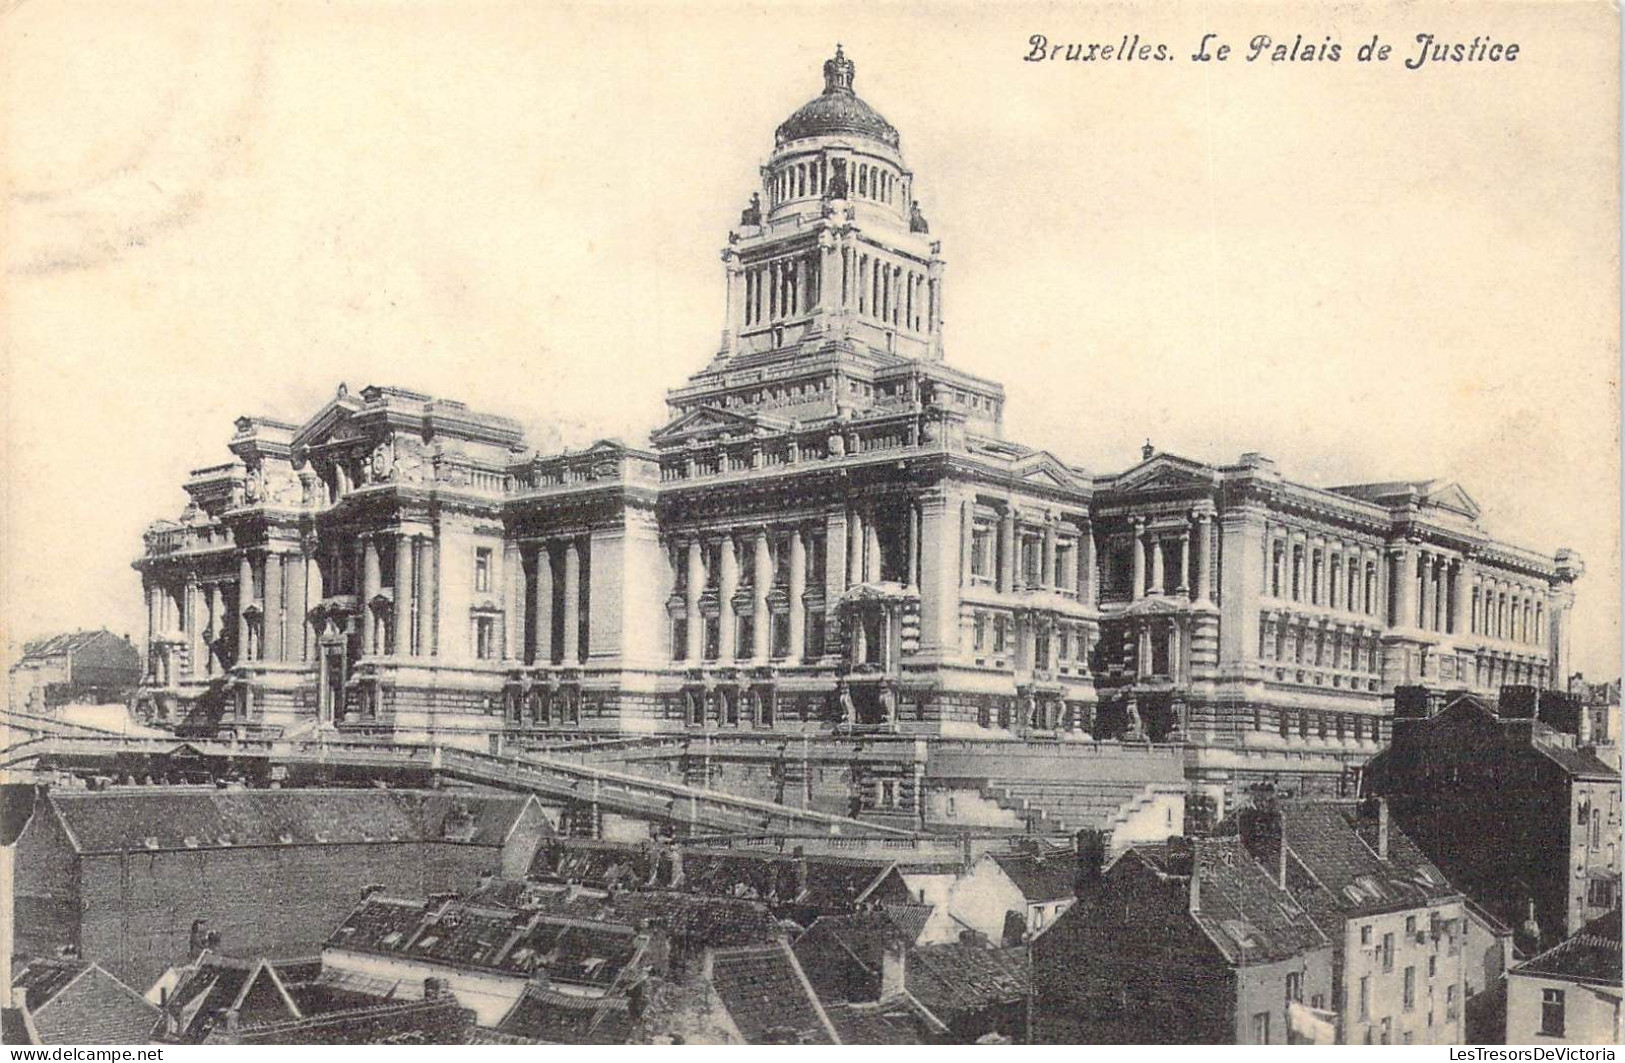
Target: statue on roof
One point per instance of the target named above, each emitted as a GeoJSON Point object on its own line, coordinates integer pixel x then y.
{"type": "Point", "coordinates": [752, 215]}
{"type": "Point", "coordinates": [837, 180]}
{"type": "Point", "coordinates": [916, 219]}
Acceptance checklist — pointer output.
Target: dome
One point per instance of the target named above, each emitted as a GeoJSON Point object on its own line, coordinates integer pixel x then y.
{"type": "Point", "coordinates": [838, 112]}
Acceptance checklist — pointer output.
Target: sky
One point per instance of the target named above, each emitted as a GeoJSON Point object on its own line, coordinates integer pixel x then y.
{"type": "Point", "coordinates": [1363, 271]}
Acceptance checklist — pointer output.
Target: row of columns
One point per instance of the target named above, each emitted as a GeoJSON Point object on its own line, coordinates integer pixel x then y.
{"type": "Point", "coordinates": [1287, 637]}
{"type": "Point", "coordinates": [558, 566]}
{"type": "Point", "coordinates": [407, 628]}
{"type": "Point", "coordinates": [762, 578]}
{"type": "Point", "coordinates": [1192, 558]}
{"type": "Point", "coordinates": [1337, 575]}
{"type": "Point", "coordinates": [1507, 610]}
{"type": "Point", "coordinates": [1076, 576]}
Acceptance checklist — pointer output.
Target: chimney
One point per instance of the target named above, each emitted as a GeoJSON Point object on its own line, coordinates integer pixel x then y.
{"type": "Point", "coordinates": [800, 854]}
{"type": "Point", "coordinates": [19, 996]}
{"type": "Point", "coordinates": [234, 1026]}
{"type": "Point", "coordinates": [1196, 886]}
{"type": "Point", "coordinates": [893, 966]}
{"type": "Point", "coordinates": [1382, 828]}
{"type": "Point", "coordinates": [1091, 859]}
{"type": "Point", "coordinates": [434, 988]}
{"type": "Point", "coordinates": [1262, 834]}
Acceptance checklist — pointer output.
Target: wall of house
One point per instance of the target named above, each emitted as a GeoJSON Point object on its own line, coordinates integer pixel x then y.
{"type": "Point", "coordinates": [1261, 990]}
{"type": "Point", "coordinates": [982, 897]}
{"type": "Point", "coordinates": [269, 901]}
{"type": "Point", "coordinates": [1440, 964]}
{"type": "Point", "coordinates": [1590, 1017]}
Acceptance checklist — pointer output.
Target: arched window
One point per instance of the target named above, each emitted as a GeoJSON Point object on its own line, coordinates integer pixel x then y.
{"type": "Point", "coordinates": [863, 180]}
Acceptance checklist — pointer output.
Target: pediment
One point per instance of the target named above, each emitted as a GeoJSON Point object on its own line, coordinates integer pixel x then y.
{"type": "Point", "coordinates": [1166, 472]}
{"type": "Point", "coordinates": [328, 425]}
{"type": "Point", "coordinates": [1045, 469]}
{"type": "Point", "coordinates": [1451, 496]}
{"type": "Point", "coordinates": [708, 420]}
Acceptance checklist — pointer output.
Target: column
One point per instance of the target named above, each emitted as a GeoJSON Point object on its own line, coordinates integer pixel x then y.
{"type": "Point", "coordinates": [727, 585]}
{"type": "Point", "coordinates": [273, 612]}
{"type": "Point", "coordinates": [370, 582]}
{"type": "Point", "coordinates": [913, 544]}
{"type": "Point", "coordinates": [1202, 576]}
{"type": "Point", "coordinates": [1047, 577]}
{"type": "Point", "coordinates": [1158, 576]}
{"type": "Point", "coordinates": [192, 628]}
{"type": "Point", "coordinates": [296, 573]}
{"type": "Point", "coordinates": [572, 602]}
{"type": "Point", "coordinates": [1184, 583]}
{"type": "Point", "coordinates": [798, 590]}
{"type": "Point", "coordinates": [245, 597]}
{"type": "Point", "coordinates": [871, 548]}
{"type": "Point", "coordinates": [1086, 564]}
{"type": "Point", "coordinates": [1007, 550]}
{"type": "Point", "coordinates": [1138, 578]}
{"type": "Point", "coordinates": [854, 547]}
{"type": "Point", "coordinates": [1458, 598]}
{"type": "Point", "coordinates": [691, 601]}
{"type": "Point", "coordinates": [513, 648]}
{"type": "Point", "coordinates": [762, 575]}
{"type": "Point", "coordinates": [540, 649]}
{"type": "Point", "coordinates": [425, 571]}
{"type": "Point", "coordinates": [400, 628]}
{"type": "Point", "coordinates": [217, 622]}
{"type": "Point", "coordinates": [967, 540]}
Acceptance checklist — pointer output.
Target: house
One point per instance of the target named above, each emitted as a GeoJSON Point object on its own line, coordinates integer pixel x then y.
{"type": "Point", "coordinates": [845, 955]}
{"type": "Point", "coordinates": [128, 876]}
{"type": "Point", "coordinates": [1399, 932]}
{"type": "Point", "coordinates": [1569, 994]}
{"type": "Point", "coordinates": [975, 992]}
{"type": "Point", "coordinates": [1504, 800]}
{"type": "Point", "coordinates": [78, 666]}
{"type": "Point", "coordinates": [546, 1016]}
{"type": "Point", "coordinates": [1015, 896]}
{"type": "Point", "coordinates": [224, 1000]}
{"type": "Point", "coordinates": [1183, 942]}
{"type": "Point", "coordinates": [76, 1002]}
{"type": "Point", "coordinates": [485, 957]}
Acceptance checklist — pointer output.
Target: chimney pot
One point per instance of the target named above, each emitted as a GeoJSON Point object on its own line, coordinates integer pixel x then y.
{"type": "Point", "coordinates": [1382, 828]}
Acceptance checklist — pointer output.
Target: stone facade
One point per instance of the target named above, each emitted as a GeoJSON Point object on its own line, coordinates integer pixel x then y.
{"type": "Point", "coordinates": [832, 533]}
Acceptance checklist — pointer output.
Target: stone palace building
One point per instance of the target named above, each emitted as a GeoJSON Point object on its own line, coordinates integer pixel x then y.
{"type": "Point", "coordinates": [832, 534]}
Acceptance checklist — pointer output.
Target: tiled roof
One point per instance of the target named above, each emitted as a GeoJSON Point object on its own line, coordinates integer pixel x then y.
{"type": "Point", "coordinates": [696, 919]}
{"type": "Point", "coordinates": [45, 978]}
{"type": "Point", "coordinates": [1338, 849]}
{"type": "Point", "coordinates": [161, 819]}
{"type": "Point", "coordinates": [1592, 955]}
{"type": "Point", "coordinates": [1581, 763]}
{"type": "Point", "coordinates": [68, 642]}
{"type": "Point", "coordinates": [768, 997]}
{"type": "Point", "coordinates": [837, 882]}
{"type": "Point", "coordinates": [1040, 878]}
{"type": "Point", "coordinates": [547, 1016]}
{"type": "Point", "coordinates": [724, 872]}
{"type": "Point", "coordinates": [215, 984]}
{"type": "Point", "coordinates": [603, 864]}
{"type": "Point", "coordinates": [1242, 909]}
{"type": "Point", "coordinates": [895, 1023]}
{"type": "Point", "coordinates": [909, 918]}
{"type": "Point", "coordinates": [500, 941]}
{"type": "Point", "coordinates": [962, 977]}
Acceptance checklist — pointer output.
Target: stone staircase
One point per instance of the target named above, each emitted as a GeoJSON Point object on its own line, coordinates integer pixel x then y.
{"type": "Point", "coordinates": [1066, 806]}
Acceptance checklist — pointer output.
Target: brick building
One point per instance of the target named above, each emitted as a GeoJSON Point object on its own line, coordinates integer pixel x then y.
{"type": "Point", "coordinates": [1186, 942]}
{"type": "Point", "coordinates": [1518, 815]}
{"type": "Point", "coordinates": [133, 878]}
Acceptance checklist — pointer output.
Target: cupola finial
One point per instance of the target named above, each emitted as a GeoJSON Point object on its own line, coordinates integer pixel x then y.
{"type": "Point", "coordinates": [838, 73]}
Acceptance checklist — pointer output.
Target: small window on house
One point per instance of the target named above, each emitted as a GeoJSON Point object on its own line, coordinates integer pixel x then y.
{"type": "Point", "coordinates": [1410, 988]}
{"type": "Point", "coordinates": [1365, 998]}
{"type": "Point", "coordinates": [1551, 1012]}
{"type": "Point", "coordinates": [1365, 934]}
{"type": "Point", "coordinates": [1387, 953]}
{"type": "Point", "coordinates": [482, 570]}
{"type": "Point", "coordinates": [1294, 987]}
{"type": "Point", "coordinates": [1261, 1028]}
{"type": "Point", "coordinates": [1410, 925]}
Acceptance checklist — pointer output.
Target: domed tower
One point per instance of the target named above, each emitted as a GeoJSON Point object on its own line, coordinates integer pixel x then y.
{"type": "Point", "coordinates": [834, 283]}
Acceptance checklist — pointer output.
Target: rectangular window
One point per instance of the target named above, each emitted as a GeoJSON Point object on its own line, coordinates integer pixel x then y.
{"type": "Point", "coordinates": [1261, 1028]}
{"type": "Point", "coordinates": [1294, 987]}
{"type": "Point", "coordinates": [679, 638]}
{"type": "Point", "coordinates": [1410, 926]}
{"type": "Point", "coordinates": [980, 625]}
{"type": "Point", "coordinates": [981, 551]}
{"type": "Point", "coordinates": [1551, 1012]}
{"type": "Point", "coordinates": [1600, 893]}
{"type": "Point", "coordinates": [744, 637]}
{"type": "Point", "coordinates": [713, 638]}
{"type": "Point", "coordinates": [482, 570]}
{"type": "Point", "coordinates": [998, 635]}
{"type": "Point", "coordinates": [1410, 988]}
{"type": "Point", "coordinates": [780, 627]}
{"type": "Point", "coordinates": [484, 637]}
{"type": "Point", "coordinates": [1365, 997]}
{"type": "Point", "coordinates": [1433, 966]}
{"type": "Point", "coordinates": [1365, 934]}
{"type": "Point", "coordinates": [1387, 953]}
